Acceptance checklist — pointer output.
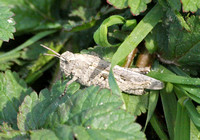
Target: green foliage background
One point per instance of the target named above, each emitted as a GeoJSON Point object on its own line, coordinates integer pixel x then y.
{"type": "Point", "coordinates": [111, 29]}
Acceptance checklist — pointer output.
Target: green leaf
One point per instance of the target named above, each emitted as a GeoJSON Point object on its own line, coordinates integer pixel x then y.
{"type": "Point", "coordinates": [182, 123]}
{"type": "Point", "coordinates": [113, 84]}
{"type": "Point", "coordinates": [119, 4]}
{"type": "Point", "coordinates": [6, 132]}
{"type": "Point", "coordinates": [15, 53]}
{"type": "Point", "coordinates": [129, 25]}
{"type": "Point", "coordinates": [179, 47]}
{"type": "Point", "coordinates": [32, 15]}
{"type": "Point", "coordinates": [194, 131]}
{"type": "Point", "coordinates": [42, 63]}
{"type": "Point", "coordinates": [182, 21]}
{"type": "Point", "coordinates": [158, 127]}
{"type": "Point", "coordinates": [153, 99]}
{"type": "Point", "coordinates": [191, 91]}
{"type": "Point", "coordinates": [96, 113]}
{"type": "Point", "coordinates": [136, 6]}
{"type": "Point", "coordinates": [83, 15]}
{"type": "Point", "coordinates": [150, 43]}
{"type": "Point", "coordinates": [100, 36]}
{"type": "Point", "coordinates": [169, 103]}
{"type": "Point", "coordinates": [12, 92]}
{"type": "Point", "coordinates": [34, 110]}
{"type": "Point", "coordinates": [101, 121]}
{"type": "Point", "coordinates": [136, 105]}
{"type": "Point", "coordinates": [72, 26]}
{"type": "Point", "coordinates": [190, 6]}
{"type": "Point", "coordinates": [43, 135]}
{"type": "Point", "coordinates": [6, 24]}
{"type": "Point", "coordinates": [192, 112]}
{"type": "Point", "coordinates": [91, 113]}
{"type": "Point", "coordinates": [115, 34]}
{"type": "Point", "coordinates": [89, 4]}
{"type": "Point", "coordinates": [172, 78]}
{"type": "Point", "coordinates": [65, 132]}
{"type": "Point", "coordinates": [6, 65]}
{"type": "Point", "coordinates": [175, 4]}
{"type": "Point", "coordinates": [138, 34]}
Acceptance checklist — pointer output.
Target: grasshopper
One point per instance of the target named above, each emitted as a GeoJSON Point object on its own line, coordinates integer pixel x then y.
{"type": "Point", "coordinates": [91, 70]}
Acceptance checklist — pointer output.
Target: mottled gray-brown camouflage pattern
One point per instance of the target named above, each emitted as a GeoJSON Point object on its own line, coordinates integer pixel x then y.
{"type": "Point", "coordinates": [91, 70]}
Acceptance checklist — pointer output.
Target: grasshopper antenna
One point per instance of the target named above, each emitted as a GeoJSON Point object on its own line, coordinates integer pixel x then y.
{"type": "Point", "coordinates": [55, 53]}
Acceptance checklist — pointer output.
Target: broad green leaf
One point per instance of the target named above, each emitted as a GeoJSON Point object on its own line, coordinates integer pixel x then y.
{"type": "Point", "coordinates": [43, 134]}
{"type": "Point", "coordinates": [136, 105]}
{"type": "Point", "coordinates": [182, 123]}
{"type": "Point", "coordinates": [82, 134]}
{"type": "Point", "coordinates": [138, 34]}
{"type": "Point", "coordinates": [12, 92]}
{"type": "Point", "coordinates": [65, 132]}
{"type": "Point", "coordinates": [91, 112]}
{"type": "Point", "coordinates": [180, 47]}
{"type": "Point", "coordinates": [32, 15]}
{"type": "Point", "coordinates": [6, 24]}
{"type": "Point", "coordinates": [39, 107]}
{"type": "Point", "coordinates": [83, 15]}
{"type": "Point", "coordinates": [190, 5]}
{"type": "Point", "coordinates": [136, 6]}
{"type": "Point", "coordinates": [6, 132]}
{"type": "Point", "coordinates": [95, 114]}
{"type": "Point", "coordinates": [119, 4]}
